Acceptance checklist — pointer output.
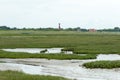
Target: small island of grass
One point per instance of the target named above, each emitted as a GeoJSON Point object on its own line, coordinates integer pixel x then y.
{"type": "Point", "coordinates": [103, 64]}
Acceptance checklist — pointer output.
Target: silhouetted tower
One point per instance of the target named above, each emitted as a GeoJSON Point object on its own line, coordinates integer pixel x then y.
{"type": "Point", "coordinates": [59, 26]}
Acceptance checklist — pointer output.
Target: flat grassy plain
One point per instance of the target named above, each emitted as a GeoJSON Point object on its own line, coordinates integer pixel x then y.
{"type": "Point", "coordinates": [78, 42]}
{"type": "Point", "coordinates": [13, 75]}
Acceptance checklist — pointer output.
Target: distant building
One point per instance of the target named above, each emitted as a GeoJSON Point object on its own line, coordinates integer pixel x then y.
{"type": "Point", "coordinates": [92, 30]}
{"type": "Point", "coordinates": [59, 26]}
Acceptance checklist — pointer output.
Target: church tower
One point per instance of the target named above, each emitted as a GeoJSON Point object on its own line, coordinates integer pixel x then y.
{"type": "Point", "coordinates": [59, 26]}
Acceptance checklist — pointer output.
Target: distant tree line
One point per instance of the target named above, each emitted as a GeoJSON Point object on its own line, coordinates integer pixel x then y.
{"type": "Point", "coordinates": [115, 29]}
{"type": "Point", "coordinates": [4, 28]}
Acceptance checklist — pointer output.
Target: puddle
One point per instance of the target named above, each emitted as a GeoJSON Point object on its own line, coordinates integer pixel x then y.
{"type": "Point", "coordinates": [38, 50]}
{"type": "Point", "coordinates": [108, 57]}
{"type": "Point", "coordinates": [66, 68]}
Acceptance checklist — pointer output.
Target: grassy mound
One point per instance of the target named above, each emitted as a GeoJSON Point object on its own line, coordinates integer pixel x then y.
{"type": "Point", "coordinates": [103, 64]}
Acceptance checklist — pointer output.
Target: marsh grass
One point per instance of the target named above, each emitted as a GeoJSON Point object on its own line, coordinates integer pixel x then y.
{"type": "Point", "coordinates": [14, 75]}
{"type": "Point", "coordinates": [78, 42]}
{"type": "Point", "coordinates": [4, 54]}
{"type": "Point", "coordinates": [103, 64]}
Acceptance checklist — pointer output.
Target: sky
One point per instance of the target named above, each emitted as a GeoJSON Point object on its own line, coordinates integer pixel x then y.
{"type": "Point", "coordinates": [88, 14]}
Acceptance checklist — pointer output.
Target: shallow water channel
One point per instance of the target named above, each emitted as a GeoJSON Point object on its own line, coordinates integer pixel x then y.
{"type": "Point", "coordinates": [66, 68]}
{"type": "Point", "coordinates": [38, 50]}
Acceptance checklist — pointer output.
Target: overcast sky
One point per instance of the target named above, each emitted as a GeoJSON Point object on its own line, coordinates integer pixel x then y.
{"type": "Point", "coordinates": [70, 13]}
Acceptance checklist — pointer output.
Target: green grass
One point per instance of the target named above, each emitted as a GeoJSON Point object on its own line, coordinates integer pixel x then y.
{"type": "Point", "coordinates": [4, 54]}
{"type": "Point", "coordinates": [78, 42]}
{"type": "Point", "coordinates": [13, 75]}
{"type": "Point", "coordinates": [103, 64]}
{"type": "Point", "coordinates": [2, 62]}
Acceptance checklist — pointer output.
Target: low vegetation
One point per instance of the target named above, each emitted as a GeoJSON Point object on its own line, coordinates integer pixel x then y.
{"type": "Point", "coordinates": [89, 43]}
{"type": "Point", "coordinates": [13, 75]}
{"type": "Point", "coordinates": [78, 42]}
{"type": "Point", "coordinates": [103, 64]}
{"type": "Point", "coordinates": [4, 54]}
{"type": "Point", "coordinates": [2, 62]}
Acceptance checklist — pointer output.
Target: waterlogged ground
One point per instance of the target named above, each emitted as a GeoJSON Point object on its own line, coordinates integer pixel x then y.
{"type": "Point", "coordinates": [66, 68]}
{"type": "Point", "coordinates": [38, 50]}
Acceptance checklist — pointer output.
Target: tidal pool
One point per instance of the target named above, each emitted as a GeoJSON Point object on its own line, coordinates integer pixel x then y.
{"type": "Point", "coordinates": [108, 57]}
{"type": "Point", "coordinates": [38, 50]}
{"type": "Point", "coordinates": [66, 68]}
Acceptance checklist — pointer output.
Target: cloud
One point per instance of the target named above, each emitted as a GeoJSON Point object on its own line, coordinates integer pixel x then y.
{"type": "Point", "coordinates": [71, 13]}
